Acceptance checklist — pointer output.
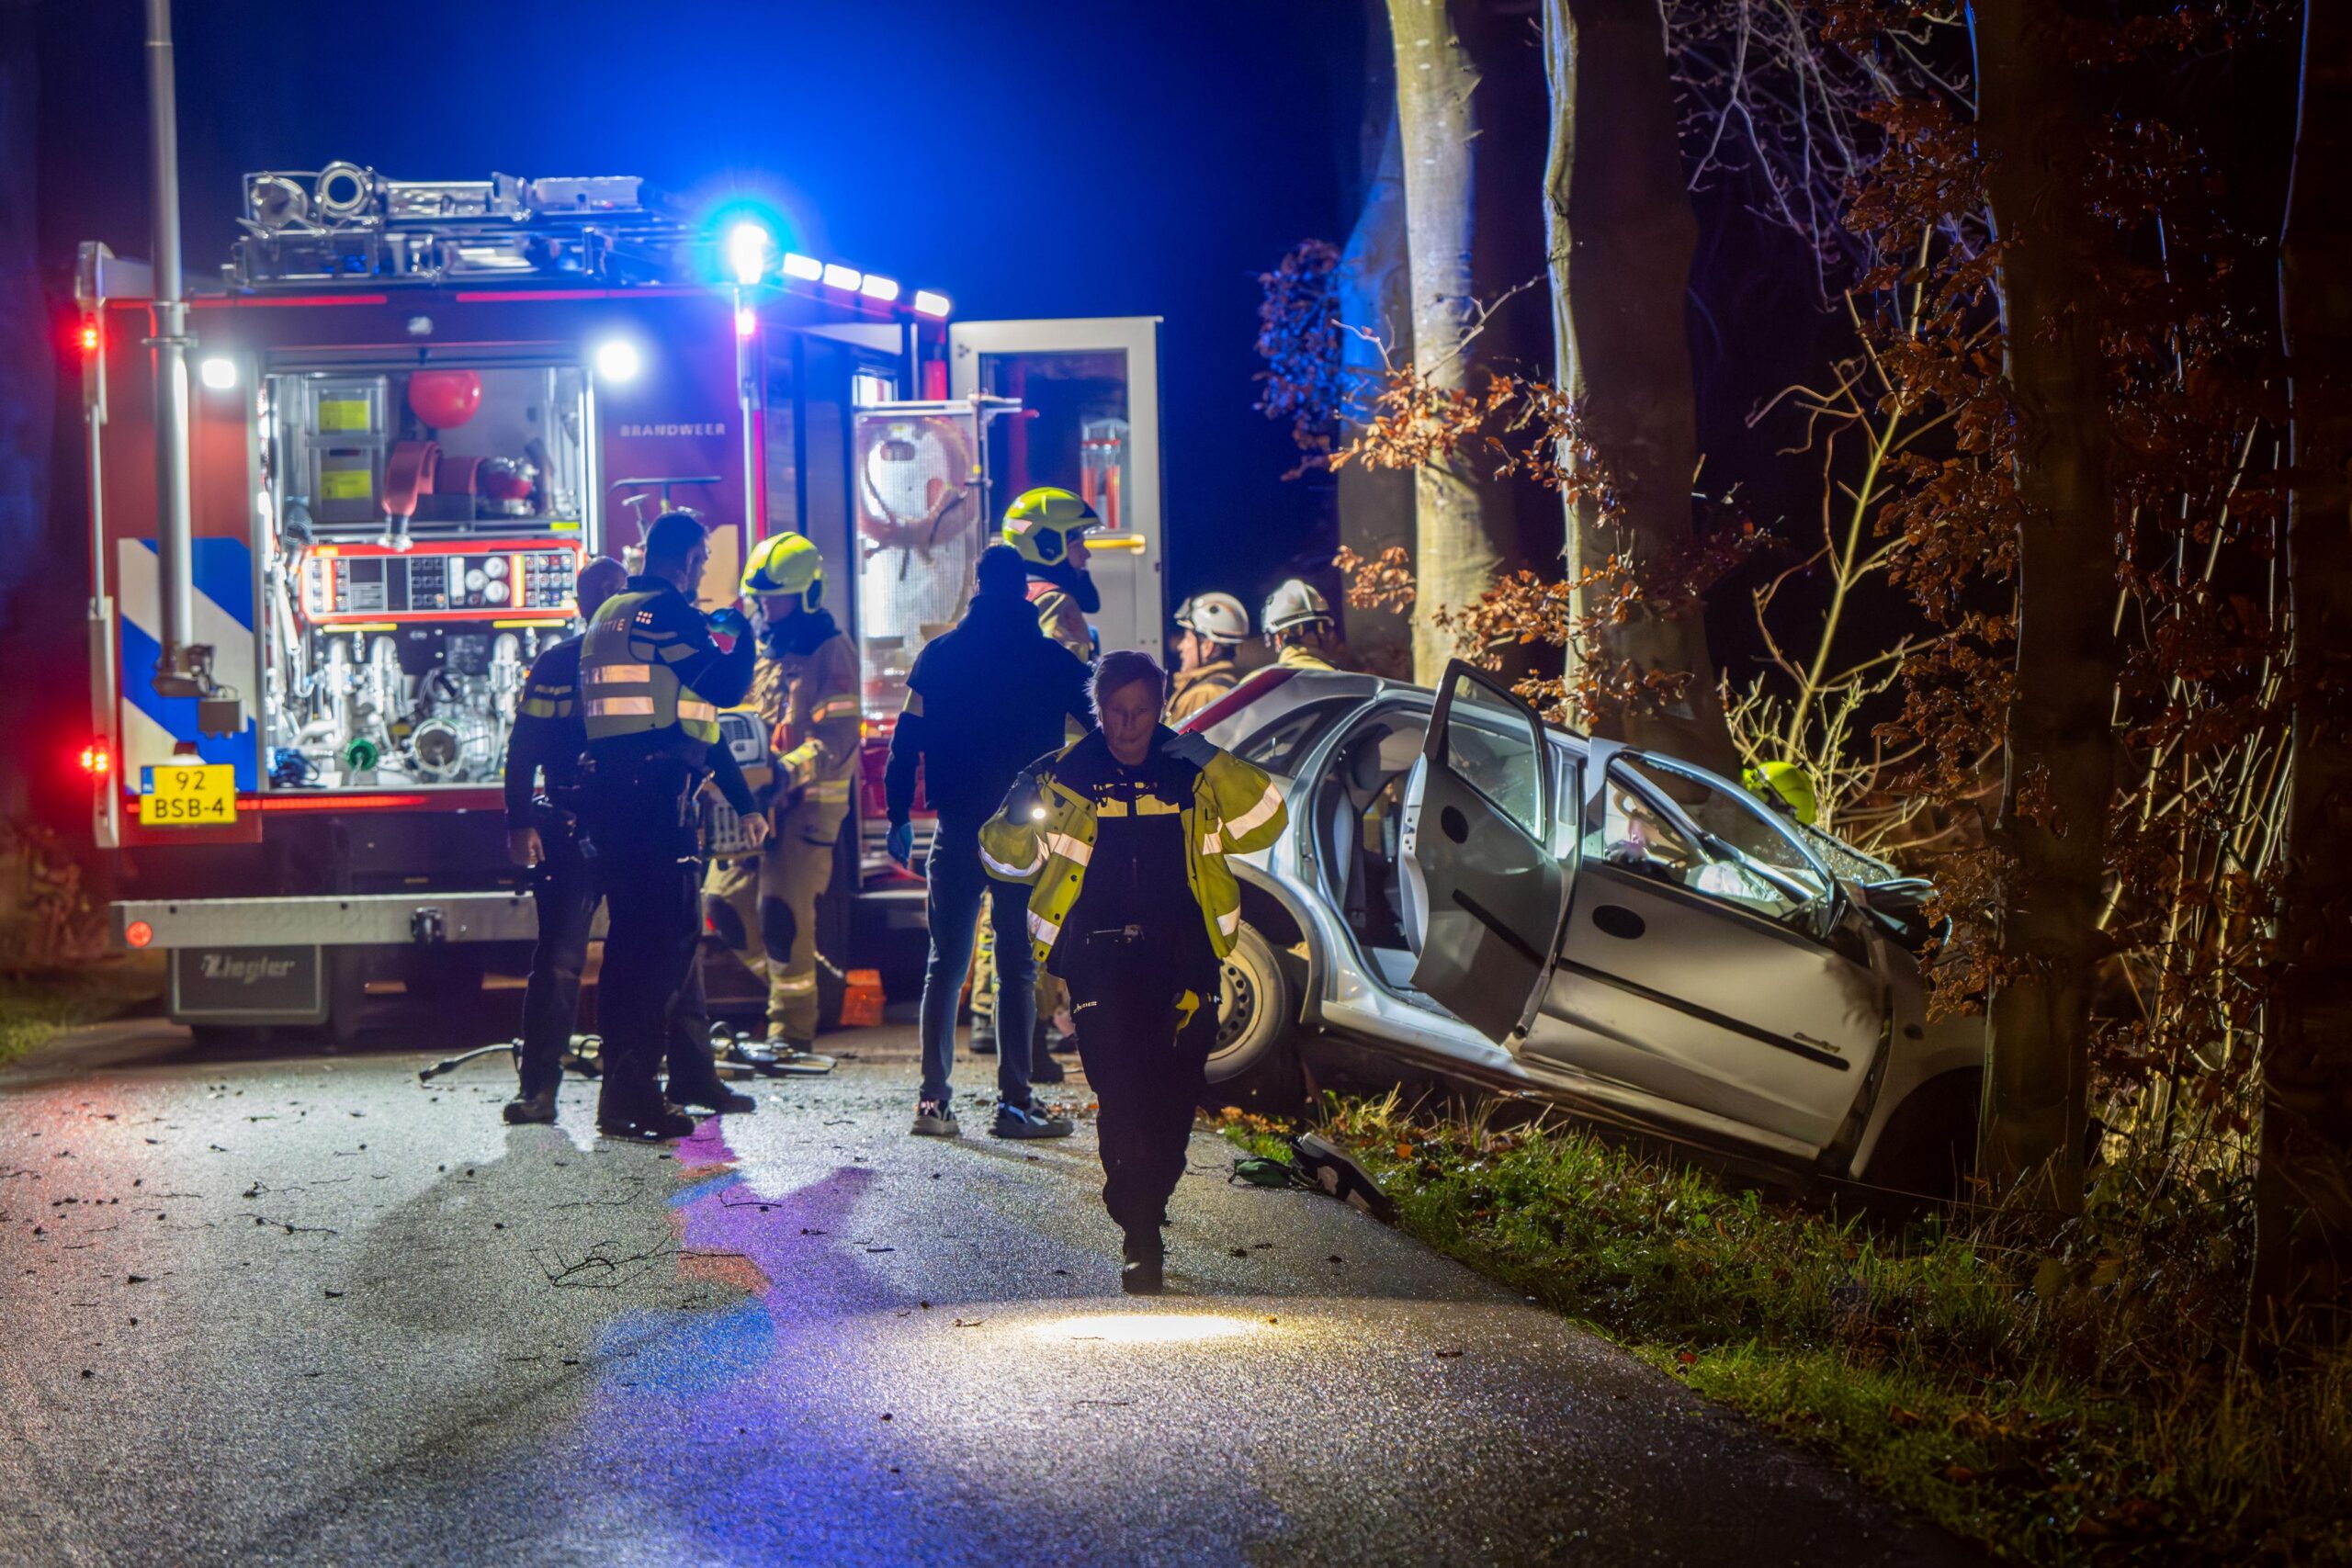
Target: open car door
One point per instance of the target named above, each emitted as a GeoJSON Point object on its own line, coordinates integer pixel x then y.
{"type": "Point", "coordinates": [1481, 844]}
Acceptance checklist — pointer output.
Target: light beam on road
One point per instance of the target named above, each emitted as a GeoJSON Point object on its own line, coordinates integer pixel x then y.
{"type": "Point", "coordinates": [1145, 1328]}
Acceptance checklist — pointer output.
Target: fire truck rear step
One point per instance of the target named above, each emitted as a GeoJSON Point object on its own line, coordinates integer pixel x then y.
{"type": "Point", "coordinates": [385, 919]}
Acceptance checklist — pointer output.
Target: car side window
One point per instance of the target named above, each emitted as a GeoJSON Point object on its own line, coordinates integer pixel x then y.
{"type": "Point", "coordinates": [1494, 749]}
{"type": "Point", "coordinates": [1283, 744]}
{"type": "Point", "coordinates": [1677, 825]}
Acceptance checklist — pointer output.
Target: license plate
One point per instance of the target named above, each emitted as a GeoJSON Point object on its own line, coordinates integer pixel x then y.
{"type": "Point", "coordinates": [204, 796]}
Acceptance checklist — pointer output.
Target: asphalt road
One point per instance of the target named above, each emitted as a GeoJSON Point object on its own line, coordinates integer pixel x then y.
{"type": "Point", "coordinates": [306, 1309]}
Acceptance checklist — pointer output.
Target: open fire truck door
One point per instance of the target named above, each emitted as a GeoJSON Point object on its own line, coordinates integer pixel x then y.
{"type": "Point", "coordinates": [1089, 391]}
{"type": "Point", "coordinates": [1070, 404]}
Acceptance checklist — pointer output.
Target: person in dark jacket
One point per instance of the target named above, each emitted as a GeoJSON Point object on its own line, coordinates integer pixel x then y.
{"type": "Point", "coordinates": [983, 701]}
{"type": "Point", "coordinates": [542, 792]}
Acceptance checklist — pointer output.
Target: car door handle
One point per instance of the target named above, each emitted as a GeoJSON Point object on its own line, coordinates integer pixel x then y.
{"type": "Point", "coordinates": [1615, 920]}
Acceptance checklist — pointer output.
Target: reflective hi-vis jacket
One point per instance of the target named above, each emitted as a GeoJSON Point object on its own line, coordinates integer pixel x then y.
{"type": "Point", "coordinates": [637, 665]}
{"type": "Point", "coordinates": [1190, 691]}
{"type": "Point", "coordinates": [1297, 656]}
{"type": "Point", "coordinates": [1044, 835]}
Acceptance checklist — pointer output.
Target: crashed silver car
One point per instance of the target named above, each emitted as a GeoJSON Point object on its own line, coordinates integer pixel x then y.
{"type": "Point", "coordinates": [1467, 893]}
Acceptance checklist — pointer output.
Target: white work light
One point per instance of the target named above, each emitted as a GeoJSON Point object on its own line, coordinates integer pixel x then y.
{"type": "Point", "coordinates": [930, 304]}
{"type": "Point", "coordinates": [883, 288]}
{"type": "Point", "coordinates": [219, 372]}
{"type": "Point", "coordinates": [747, 253]}
{"type": "Point", "coordinates": [807, 269]}
{"type": "Point", "coordinates": [616, 360]}
{"type": "Point", "coordinates": [843, 277]}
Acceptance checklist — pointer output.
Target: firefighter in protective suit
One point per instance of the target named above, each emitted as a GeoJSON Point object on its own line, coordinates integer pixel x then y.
{"type": "Point", "coordinates": [1297, 619]}
{"type": "Point", "coordinates": [804, 690]}
{"type": "Point", "coordinates": [1210, 628]}
{"type": "Point", "coordinates": [1048, 528]}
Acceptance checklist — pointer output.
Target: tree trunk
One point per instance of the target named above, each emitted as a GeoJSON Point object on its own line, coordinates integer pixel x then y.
{"type": "Point", "coordinates": [2301, 1294]}
{"type": "Point", "coordinates": [1620, 235]}
{"type": "Point", "coordinates": [2034, 131]}
{"type": "Point", "coordinates": [1458, 541]}
{"type": "Point", "coordinates": [1375, 306]}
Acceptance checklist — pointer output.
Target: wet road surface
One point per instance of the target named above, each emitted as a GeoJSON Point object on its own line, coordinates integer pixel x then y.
{"type": "Point", "coordinates": [305, 1309]}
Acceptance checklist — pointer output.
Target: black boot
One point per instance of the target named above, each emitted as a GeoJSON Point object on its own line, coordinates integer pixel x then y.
{"type": "Point", "coordinates": [657, 1122]}
{"type": "Point", "coordinates": [527, 1109]}
{"type": "Point", "coordinates": [713, 1096]}
{"type": "Point", "coordinates": [1140, 1273]}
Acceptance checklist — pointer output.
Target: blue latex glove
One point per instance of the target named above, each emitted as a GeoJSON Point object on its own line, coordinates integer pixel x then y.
{"type": "Point", "coordinates": [727, 618]}
{"type": "Point", "coordinates": [902, 843]}
{"type": "Point", "coordinates": [1188, 746]}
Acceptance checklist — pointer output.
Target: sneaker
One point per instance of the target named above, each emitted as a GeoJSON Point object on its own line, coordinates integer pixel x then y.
{"type": "Point", "coordinates": [1028, 1121]}
{"type": "Point", "coordinates": [1044, 1069]}
{"type": "Point", "coordinates": [527, 1110]}
{"type": "Point", "coordinates": [713, 1096]}
{"type": "Point", "coordinates": [934, 1119]}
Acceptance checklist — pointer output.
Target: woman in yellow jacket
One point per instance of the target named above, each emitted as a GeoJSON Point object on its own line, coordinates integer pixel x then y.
{"type": "Point", "coordinates": [1106, 832]}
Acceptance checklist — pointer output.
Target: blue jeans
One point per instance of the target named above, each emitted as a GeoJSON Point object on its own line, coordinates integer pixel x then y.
{"type": "Point", "coordinates": [952, 907]}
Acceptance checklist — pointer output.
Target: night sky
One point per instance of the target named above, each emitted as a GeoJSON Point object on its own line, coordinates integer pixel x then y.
{"type": "Point", "coordinates": [1026, 158]}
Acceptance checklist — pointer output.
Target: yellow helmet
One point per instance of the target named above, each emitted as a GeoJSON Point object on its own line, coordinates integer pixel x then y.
{"type": "Point", "coordinates": [787, 563]}
{"type": "Point", "coordinates": [1792, 784]}
{"type": "Point", "coordinates": [1041, 523]}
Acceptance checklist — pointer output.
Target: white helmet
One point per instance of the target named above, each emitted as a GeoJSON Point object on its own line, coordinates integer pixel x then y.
{"type": "Point", "coordinates": [1294, 604]}
{"type": "Point", "coordinates": [1216, 616]}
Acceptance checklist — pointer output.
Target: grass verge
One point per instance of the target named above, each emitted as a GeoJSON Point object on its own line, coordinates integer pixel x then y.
{"type": "Point", "coordinates": [2053, 1395]}
{"type": "Point", "coordinates": [37, 1006]}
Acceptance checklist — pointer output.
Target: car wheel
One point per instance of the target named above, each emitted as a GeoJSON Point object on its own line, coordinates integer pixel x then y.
{"type": "Point", "coordinates": [1254, 1064]}
{"type": "Point", "coordinates": [1929, 1150]}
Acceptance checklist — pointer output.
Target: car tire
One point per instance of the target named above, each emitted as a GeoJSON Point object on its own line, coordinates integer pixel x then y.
{"type": "Point", "coordinates": [1254, 1064]}
{"type": "Point", "coordinates": [1929, 1150]}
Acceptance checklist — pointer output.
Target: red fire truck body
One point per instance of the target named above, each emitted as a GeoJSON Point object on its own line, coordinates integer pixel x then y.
{"type": "Point", "coordinates": [413, 418]}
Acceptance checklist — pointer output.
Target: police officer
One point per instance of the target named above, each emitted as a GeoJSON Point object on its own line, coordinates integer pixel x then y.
{"type": "Point", "coordinates": [542, 835]}
{"type": "Point", "coordinates": [1297, 619]}
{"type": "Point", "coordinates": [805, 689]}
{"type": "Point", "coordinates": [1210, 629]}
{"type": "Point", "coordinates": [982, 701]}
{"type": "Point", "coordinates": [1122, 837]}
{"type": "Point", "coordinates": [652, 682]}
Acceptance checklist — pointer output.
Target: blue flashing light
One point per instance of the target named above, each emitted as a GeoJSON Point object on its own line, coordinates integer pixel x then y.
{"type": "Point", "coordinates": [749, 245]}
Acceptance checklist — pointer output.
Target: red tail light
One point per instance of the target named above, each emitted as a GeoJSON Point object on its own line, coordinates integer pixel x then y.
{"type": "Point", "coordinates": [98, 760]}
{"type": "Point", "coordinates": [139, 933]}
{"type": "Point", "coordinates": [90, 338]}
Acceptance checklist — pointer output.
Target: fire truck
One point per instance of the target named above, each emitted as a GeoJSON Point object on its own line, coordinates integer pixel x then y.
{"type": "Point", "coordinates": [338, 497]}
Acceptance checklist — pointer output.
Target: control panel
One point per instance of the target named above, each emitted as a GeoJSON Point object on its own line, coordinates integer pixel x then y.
{"type": "Point", "coordinates": [472, 580]}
